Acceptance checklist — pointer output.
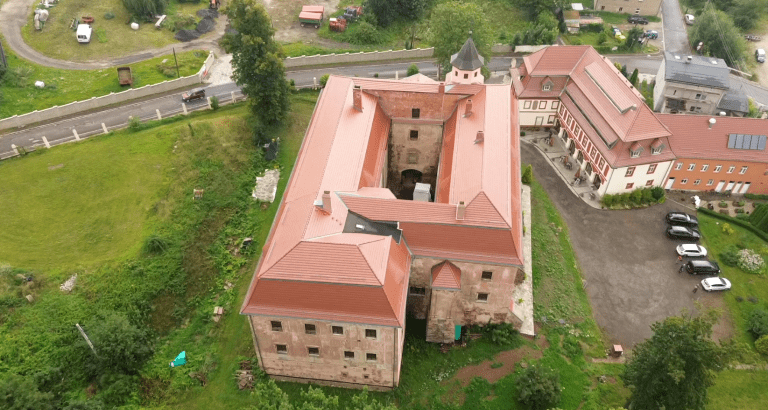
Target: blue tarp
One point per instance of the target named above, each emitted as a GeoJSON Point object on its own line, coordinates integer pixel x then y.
{"type": "Point", "coordinates": [180, 360]}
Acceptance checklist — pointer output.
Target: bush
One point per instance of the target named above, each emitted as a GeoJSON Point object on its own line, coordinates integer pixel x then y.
{"type": "Point", "coordinates": [503, 334]}
{"type": "Point", "coordinates": [412, 69]}
{"type": "Point", "coordinates": [607, 200]}
{"type": "Point", "coordinates": [750, 261]}
{"type": "Point", "coordinates": [761, 345]}
{"type": "Point", "coordinates": [527, 174]}
{"type": "Point", "coordinates": [365, 34]}
{"type": "Point", "coordinates": [638, 197]}
{"type": "Point", "coordinates": [730, 255]}
{"type": "Point", "coordinates": [727, 229]}
{"type": "Point", "coordinates": [759, 218]}
{"type": "Point", "coordinates": [324, 80]}
{"type": "Point", "coordinates": [756, 196]}
{"type": "Point", "coordinates": [740, 203]}
{"type": "Point", "coordinates": [723, 204]}
{"type": "Point", "coordinates": [757, 323]}
{"type": "Point", "coordinates": [134, 123]}
{"type": "Point", "coordinates": [739, 210]}
{"type": "Point", "coordinates": [657, 192]}
{"type": "Point", "coordinates": [109, 15]}
{"type": "Point", "coordinates": [214, 102]}
{"type": "Point", "coordinates": [155, 245]}
{"type": "Point", "coordinates": [538, 388]}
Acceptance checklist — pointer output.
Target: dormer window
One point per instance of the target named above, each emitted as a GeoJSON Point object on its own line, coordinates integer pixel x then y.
{"type": "Point", "coordinates": [547, 86]}
{"type": "Point", "coordinates": [635, 150]}
{"type": "Point", "coordinates": [657, 146]}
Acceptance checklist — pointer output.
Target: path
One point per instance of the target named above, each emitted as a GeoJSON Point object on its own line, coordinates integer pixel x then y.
{"type": "Point", "coordinates": [675, 36]}
{"type": "Point", "coordinates": [15, 13]}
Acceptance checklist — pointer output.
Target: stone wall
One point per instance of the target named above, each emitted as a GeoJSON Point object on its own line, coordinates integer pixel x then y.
{"type": "Point", "coordinates": [421, 153]}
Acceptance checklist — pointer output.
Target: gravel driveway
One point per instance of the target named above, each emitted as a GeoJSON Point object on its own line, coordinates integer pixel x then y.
{"type": "Point", "coordinates": [629, 264]}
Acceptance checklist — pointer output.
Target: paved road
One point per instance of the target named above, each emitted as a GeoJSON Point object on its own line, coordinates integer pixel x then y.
{"type": "Point", "coordinates": [675, 36]}
{"type": "Point", "coordinates": [14, 14]}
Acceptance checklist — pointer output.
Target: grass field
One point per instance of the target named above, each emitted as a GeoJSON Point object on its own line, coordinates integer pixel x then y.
{"type": "Point", "coordinates": [111, 38]}
{"type": "Point", "coordinates": [18, 95]}
{"type": "Point", "coordinates": [739, 390]}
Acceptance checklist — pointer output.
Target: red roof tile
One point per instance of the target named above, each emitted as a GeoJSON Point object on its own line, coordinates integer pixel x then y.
{"type": "Point", "coordinates": [446, 275]}
{"type": "Point", "coordinates": [692, 137]}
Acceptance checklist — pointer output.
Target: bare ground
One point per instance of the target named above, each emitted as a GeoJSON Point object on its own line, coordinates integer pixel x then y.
{"type": "Point", "coordinates": [285, 19]}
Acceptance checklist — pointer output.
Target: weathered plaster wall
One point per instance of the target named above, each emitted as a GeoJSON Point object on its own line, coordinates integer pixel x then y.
{"type": "Point", "coordinates": [421, 154]}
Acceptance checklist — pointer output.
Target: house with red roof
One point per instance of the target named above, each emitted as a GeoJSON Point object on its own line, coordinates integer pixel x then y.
{"type": "Point", "coordinates": [405, 199]}
{"type": "Point", "coordinates": [617, 142]}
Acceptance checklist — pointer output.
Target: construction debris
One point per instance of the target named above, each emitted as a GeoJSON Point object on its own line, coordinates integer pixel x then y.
{"type": "Point", "coordinates": [69, 284]}
{"type": "Point", "coordinates": [266, 186]}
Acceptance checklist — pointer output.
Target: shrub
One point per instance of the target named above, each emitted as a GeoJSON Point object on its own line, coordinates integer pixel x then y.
{"type": "Point", "coordinates": [522, 133]}
{"type": "Point", "coordinates": [412, 69]}
{"type": "Point", "coordinates": [214, 102]}
{"type": "Point", "coordinates": [657, 192]}
{"type": "Point", "coordinates": [730, 255]}
{"type": "Point", "coordinates": [134, 123]}
{"type": "Point", "coordinates": [527, 174]}
{"type": "Point", "coordinates": [365, 34]}
{"type": "Point", "coordinates": [607, 200]}
{"type": "Point", "coordinates": [727, 229]}
{"type": "Point", "coordinates": [109, 15]}
{"type": "Point", "coordinates": [757, 323]}
{"type": "Point", "coordinates": [324, 80]}
{"type": "Point", "coordinates": [155, 245]}
{"type": "Point", "coordinates": [741, 203]}
{"type": "Point", "coordinates": [538, 388]}
{"type": "Point", "coordinates": [761, 345]}
{"type": "Point", "coordinates": [759, 217]}
{"type": "Point", "coordinates": [503, 334]}
{"type": "Point", "coordinates": [723, 204]}
{"type": "Point", "coordinates": [750, 261]}
{"type": "Point", "coordinates": [739, 210]}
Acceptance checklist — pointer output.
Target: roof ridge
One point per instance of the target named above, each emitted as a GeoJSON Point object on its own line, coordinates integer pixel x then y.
{"type": "Point", "coordinates": [368, 262]}
{"type": "Point", "coordinates": [264, 271]}
{"type": "Point", "coordinates": [492, 205]}
{"type": "Point", "coordinates": [586, 50]}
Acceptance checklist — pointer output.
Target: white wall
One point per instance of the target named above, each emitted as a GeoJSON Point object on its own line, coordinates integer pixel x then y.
{"type": "Point", "coordinates": [617, 181]}
{"type": "Point", "coordinates": [527, 117]}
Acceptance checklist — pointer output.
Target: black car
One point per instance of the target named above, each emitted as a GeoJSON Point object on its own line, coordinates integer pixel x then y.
{"type": "Point", "coordinates": [195, 94]}
{"type": "Point", "coordinates": [680, 218]}
{"type": "Point", "coordinates": [682, 232]}
{"type": "Point", "coordinates": [637, 19]}
{"type": "Point", "coordinates": [699, 267]}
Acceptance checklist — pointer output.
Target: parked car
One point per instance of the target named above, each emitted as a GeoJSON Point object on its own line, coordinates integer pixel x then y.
{"type": "Point", "coordinates": [691, 250]}
{"type": "Point", "coordinates": [682, 232]}
{"type": "Point", "coordinates": [195, 94]}
{"type": "Point", "coordinates": [635, 19]}
{"type": "Point", "coordinates": [651, 34]}
{"type": "Point", "coordinates": [702, 267]}
{"type": "Point", "coordinates": [689, 19]}
{"type": "Point", "coordinates": [681, 218]}
{"type": "Point", "coordinates": [760, 55]}
{"type": "Point", "coordinates": [710, 284]}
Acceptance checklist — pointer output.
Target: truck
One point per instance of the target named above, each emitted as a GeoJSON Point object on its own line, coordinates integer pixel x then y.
{"type": "Point", "coordinates": [84, 32]}
{"type": "Point", "coordinates": [311, 16]}
{"type": "Point", "coordinates": [124, 75]}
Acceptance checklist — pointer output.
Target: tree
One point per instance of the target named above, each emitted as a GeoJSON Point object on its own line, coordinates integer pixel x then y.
{"type": "Point", "coordinates": [257, 63]}
{"type": "Point", "coordinates": [19, 393]}
{"type": "Point", "coordinates": [534, 8]}
{"type": "Point", "coordinates": [449, 28]}
{"type": "Point", "coordinates": [757, 323]}
{"type": "Point", "coordinates": [412, 69]}
{"type": "Point", "coordinates": [720, 37]}
{"type": "Point", "coordinates": [674, 368]}
{"type": "Point", "coordinates": [527, 177]}
{"type": "Point", "coordinates": [538, 387]}
{"type": "Point", "coordinates": [746, 13]}
{"type": "Point", "coordinates": [389, 11]}
{"type": "Point", "coordinates": [121, 347]}
{"type": "Point", "coordinates": [634, 37]}
{"type": "Point", "coordinates": [633, 77]}
{"type": "Point", "coordinates": [268, 396]}
{"type": "Point", "coordinates": [145, 8]}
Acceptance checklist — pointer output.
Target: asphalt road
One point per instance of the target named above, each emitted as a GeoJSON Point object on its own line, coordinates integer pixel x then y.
{"type": "Point", "coordinates": [675, 36]}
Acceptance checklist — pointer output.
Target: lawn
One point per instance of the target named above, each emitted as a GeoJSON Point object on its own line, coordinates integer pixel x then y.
{"type": "Point", "coordinates": [739, 390]}
{"type": "Point", "coordinates": [111, 37]}
{"type": "Point", "coordinates": [749, 290]}
{"type": "Point", "coordinates": [18, 95]}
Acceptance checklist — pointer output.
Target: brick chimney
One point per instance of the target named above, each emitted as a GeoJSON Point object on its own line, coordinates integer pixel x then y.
{"type": "Point", "coordinates": [327, 202]}
{"type": "Point", "coordinates": [441, 88]}
{"type": "Point", "coordinates": [357, 99]}
{"type": "Point", "coordinates": [468, 108]}
{"type": "Point", "coordinates": [460, 210]}
{"type": "Point", "coordinates": [480, 137]}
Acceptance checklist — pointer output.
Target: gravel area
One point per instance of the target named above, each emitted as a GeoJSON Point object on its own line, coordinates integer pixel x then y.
{"type": "Point", "coordinates": [221, 72]}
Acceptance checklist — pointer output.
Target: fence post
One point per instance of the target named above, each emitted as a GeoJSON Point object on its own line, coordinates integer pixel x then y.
{"type": "Point", "coordinates": [158, 114]}
{"type": "Point", "coordinates": [104, 127]}
{"type": "Point", "coordinates": [209, 103]}
{"type": "Point", "coordinates": [45, 141]}
{"type": "Point", "coordinates": [77, 137]}
{"type": "Point", "coordinates": [184, 107]}
{"type": "Point", "coordinates": [233, 97]}
{"type": "Point", "coordinates": [15, 150]}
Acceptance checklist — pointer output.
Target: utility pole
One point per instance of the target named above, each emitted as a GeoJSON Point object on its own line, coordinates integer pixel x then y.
{"type": "Point", "coordinates": [177, 63]}
{"type": "Point", "coordinates": [87, 340]}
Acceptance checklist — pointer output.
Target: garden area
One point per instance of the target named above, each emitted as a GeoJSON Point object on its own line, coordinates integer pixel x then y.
{"type": "Point", "coordinates": [66, 86]}
{"type": "Point", "coordinates": [112, 34]}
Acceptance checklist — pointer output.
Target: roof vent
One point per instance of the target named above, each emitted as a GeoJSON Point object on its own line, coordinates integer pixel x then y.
{"type": "Point", "coordinates": [480, 137]}
{"type": "Point", "coordinates": [461, 209]}
{"type": "Point", "coordinates": [468, 109]}
{"type": "Point", "coordinates": [712, 122]}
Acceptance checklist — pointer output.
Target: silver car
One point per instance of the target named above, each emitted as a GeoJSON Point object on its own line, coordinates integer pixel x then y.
{"type": "Point", "coordinates": [715, 283]}
{"type": "Point", "coordinates": [691, 250]}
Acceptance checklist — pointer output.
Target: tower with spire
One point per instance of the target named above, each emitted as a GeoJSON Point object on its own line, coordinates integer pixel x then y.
{"type": "Point", "coordinates": [466, 65]}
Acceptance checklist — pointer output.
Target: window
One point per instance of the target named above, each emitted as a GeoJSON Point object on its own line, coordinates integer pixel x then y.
{"type": "Point", "coordinates": [629, 185]}
{"type": "Point", "coordinates": [691, 167]}
{"type": "Point", "coordinates": [535, 105]}
{"type": "Point", "coordinates": [527, 105]}
{"type": "Point", "coordinates": [414, 135]}
{"type": "Point", "coordinates": [455, 72]}
{"type": "Point", "coordinates": [630, 172]}
{"type": "Point", "coordinates": [337, 330]}
{"type": "Point", "coordinates": [482, 297]}
{"type": "Point", "coordinates": [678, 166]}
{"type": "Point", "coordinates": [649, 182]}
{"type": "Point", "coordinates": [466, 75]}
{"type": "Point", "coordinates": [657, 150]}
{"type": "Point", "coordinates": [555, 105]}
{"type": "Point", "coordinates": [710, 182]}
{"type": "Point", "coordinates": [349, 355]}
{"type": "Point", "coordinates": [697, 182]}
{"type": "Point", "coordinates": [637, 11]}
{"type": "Point", "coordinates": [543, 105]}
{"type": "Point", "coordinates": [551, 119]}
{"type": "Point", "coordinates": [697, 97]}
{"type": "Point", "coordinates": [704, 168]}
{"type": "Point", "coordinates": [718, 168]}
{"type": "Point", "coordinates": [277, 326]}
{"type": "Point", "coordinates": [743, 170]}
{"type": "Point", "coordinates": [310, 329]}
{"type": "Point", "coordinates": [487, 275]}
{"type": "Point", "coordinates": [635, 154]}
{"type": "Point", "coordinates": [415, 112]}
{"type": "Point", "coordinates": [701, 97]}
{"type": "Point", "coordinates": [370, 333]}
{"type": "Point", "coordinates": [413, 290]}
{"type": "Point", "coordinates": [313, 351]}
{"type": "Point", "coordinates": [651, 168]}
{"type": "Point", "coordinates": [371, 357]}
{"type": "Point", "coordinates": [281, 349]}
{"type": "Point", "coordinates": [475, 73]}
{"type": "Point", "coordinates": [684, 181]}
{"type": "Point", "coordinates": [546, 87]}
{"type": "Point", "coordinates": [621, 9]}
{"type": "Point", "coordinates": [730, 169]}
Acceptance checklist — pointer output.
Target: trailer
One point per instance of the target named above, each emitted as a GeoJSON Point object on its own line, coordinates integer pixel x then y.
{"type": "Point", "coordinates": [307, 18]}
{"type": "Point", "coordinates": [124, 75]}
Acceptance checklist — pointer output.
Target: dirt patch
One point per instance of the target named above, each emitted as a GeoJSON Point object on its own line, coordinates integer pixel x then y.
{"type": "Point", "coordinates": [285, 19]}
{"type": "Point", "coordinates": [723, 329]}
{"type": "Point", "coordinates": [761, 69]}
{"type": "Point", "coordinates": [55, 167]}
{"type": "Point", "coordinates": [507, 359]}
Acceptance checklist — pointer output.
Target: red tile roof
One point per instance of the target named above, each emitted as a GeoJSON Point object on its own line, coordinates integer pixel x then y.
{"type": "Point", "coordinates": [692, 137]}
{"type": "Point", "coordinates": [446, 275]}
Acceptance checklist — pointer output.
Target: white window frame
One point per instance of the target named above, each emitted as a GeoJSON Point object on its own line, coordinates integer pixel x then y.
{"type": "Point", "coordinates": [710, 182]}
{"type": "Point", "coordinates": [684, 181]}
{"type": "Point", "coordinates": [697, 182]}
{"type": "Point", "coordinates": [718, 168]}
{"type": "Point", "coordinates": [546, 87]}
{"type": "Point", "coordinates": [678, 166]}
{"type": "Point", "coordinates": [731, 169]}
{"type": "Point", "coordinates": [704, 167]}
{"type": "Point", "coordinates": [692, 166]}
{"type": "Point", "coordinates": [743, 170]}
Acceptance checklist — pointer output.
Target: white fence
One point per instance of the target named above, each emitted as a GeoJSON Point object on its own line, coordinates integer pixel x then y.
{"type": "Point", "coordinates": [109, 99]}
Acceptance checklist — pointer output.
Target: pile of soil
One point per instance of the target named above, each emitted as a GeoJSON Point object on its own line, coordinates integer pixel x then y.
{"type": "Point", "coordinates": [205, 25]}
{"type": "Point", "coordinates": [186, 35]}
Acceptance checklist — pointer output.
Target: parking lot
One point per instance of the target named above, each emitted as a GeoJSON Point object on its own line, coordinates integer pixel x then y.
{"type": "Point", "coordinates": [630, 266]}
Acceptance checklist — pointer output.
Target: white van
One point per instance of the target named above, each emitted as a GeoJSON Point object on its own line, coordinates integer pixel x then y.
{"type": "Point", "coordinates": [760, 55]}
{"type": "Point", "coordinates": [84, 33]}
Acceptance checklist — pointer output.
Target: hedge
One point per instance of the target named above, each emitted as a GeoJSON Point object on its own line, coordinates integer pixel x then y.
{"type": "Point", "coordinates": [738, 222]}
{"type": "Point", "coordinates": [756, 196]}
{"type": "Point", "coordinates": [759, 217]}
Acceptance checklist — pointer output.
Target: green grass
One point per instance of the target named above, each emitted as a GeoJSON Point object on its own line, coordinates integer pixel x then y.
{"type": "Point", "coordinates": [619, 18]}
{"type": "Point", "coordinates": [57, 40]}
{"type": "Point", "coordinates": [745, 285]}
{"type": "Point", "coordinates": [591, 38]}
{"type": "Point", "coordinates": [20, 96]}
{"type": "Point", "coordinates": [739, 390]}
{"type": "Point", "coordinates": [301, 49]}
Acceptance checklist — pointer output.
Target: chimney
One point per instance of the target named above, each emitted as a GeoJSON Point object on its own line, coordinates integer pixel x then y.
{"type": "Point", "coordinates": [357, 99]}
{"type": "Point", "coordinates": [468, 109]}
{"type": "Point", "coordinates": [480, 137]}
{"type": "Point", "coordinates": [460, 210]}
{"type": "Point", "coordinates": [327, 202]}
{"type": "Point", "coordinates": [712, 122]}
{"type": "Point", "coordinates": [441, 88]}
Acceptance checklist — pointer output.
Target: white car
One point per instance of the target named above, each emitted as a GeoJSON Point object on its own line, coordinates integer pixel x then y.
{"type": "Point", "coordinates": [689, 19]}
{"type": "Point", "coordinates": [715, 283]}
{"type": "Point", "coordinates": [691, 250]}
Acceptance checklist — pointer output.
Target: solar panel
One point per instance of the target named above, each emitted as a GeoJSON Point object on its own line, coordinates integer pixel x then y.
{"type": "Point", "coordinates": [732, 141]}
{"type": "Point", "coordinates": [739, 141]}
{"type": "Point", "coordinates": [761, 143]}
{"type": "Point", "coordinates": [746, 141]}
